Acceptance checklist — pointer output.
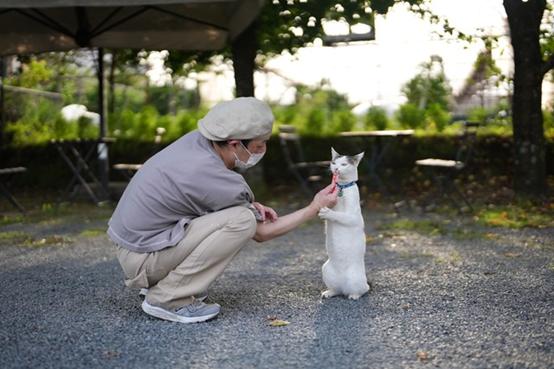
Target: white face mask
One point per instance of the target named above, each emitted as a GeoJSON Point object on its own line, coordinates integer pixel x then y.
{"type": "Point", "coordinates": [252, 160]}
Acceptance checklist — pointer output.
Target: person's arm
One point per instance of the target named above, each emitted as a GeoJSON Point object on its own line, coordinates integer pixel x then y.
{"type": "Point", "coordinates": [269, 230]}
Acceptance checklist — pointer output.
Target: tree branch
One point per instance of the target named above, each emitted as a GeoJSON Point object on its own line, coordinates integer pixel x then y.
{"type": "Point", "coordinates": [547, 65]}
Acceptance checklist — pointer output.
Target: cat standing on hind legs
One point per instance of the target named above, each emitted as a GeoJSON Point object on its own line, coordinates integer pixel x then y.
{"type": "Point", "coordinates": [344, 271]}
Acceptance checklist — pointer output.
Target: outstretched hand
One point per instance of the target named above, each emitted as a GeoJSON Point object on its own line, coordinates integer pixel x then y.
{"type": "Point", "coordinates": [266, 212]}
{"type": "Point", "coordinates": [327, 197]}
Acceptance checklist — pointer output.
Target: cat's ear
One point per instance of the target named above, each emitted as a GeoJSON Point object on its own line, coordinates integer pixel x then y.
{"type": "Point", "coordinates": [358, 158]}
{"type": "Point", "coordinates": [334, 154]}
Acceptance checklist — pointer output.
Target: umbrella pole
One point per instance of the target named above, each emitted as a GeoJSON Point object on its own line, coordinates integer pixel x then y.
{"type": "Point", "coordinates": [102, 146]}
{"type": "Point", "coordinates": [2, 114]}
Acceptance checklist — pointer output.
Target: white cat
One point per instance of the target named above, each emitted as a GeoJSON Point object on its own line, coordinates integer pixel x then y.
{"type": "Point", "coordinates": [344, 271]}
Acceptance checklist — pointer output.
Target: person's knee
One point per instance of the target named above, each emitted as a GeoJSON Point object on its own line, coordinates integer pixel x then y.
{"type": "Point", "coordinates": [244, 221]}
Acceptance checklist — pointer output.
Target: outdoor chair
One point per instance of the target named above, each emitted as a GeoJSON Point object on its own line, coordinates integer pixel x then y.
{"type": "Point", "coordinates": [5, 175]}
{"type": "Point", "coordinates": [444, 172]}
{"type": "Point", "coordinates": [127, 169]}
{"type": "Point", "coordinates": [308, 174]}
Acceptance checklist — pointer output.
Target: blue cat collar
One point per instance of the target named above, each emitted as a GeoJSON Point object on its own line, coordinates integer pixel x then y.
{"type": "Point", "coordinates": [343, 186]}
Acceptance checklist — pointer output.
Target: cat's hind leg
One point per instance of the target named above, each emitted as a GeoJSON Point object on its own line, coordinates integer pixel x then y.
{"type": "Point", "coordinates": [329, 293]}
{"type": "Point", "coordinates": [330, 279]}
{"type": "Point", "coordinates": [356, 295]}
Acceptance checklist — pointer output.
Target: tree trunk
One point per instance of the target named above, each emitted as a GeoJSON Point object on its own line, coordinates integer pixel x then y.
{"type": "Point", "coordinates": [244, 49]}
{"type": "Point", "coordinates": [524, 19]}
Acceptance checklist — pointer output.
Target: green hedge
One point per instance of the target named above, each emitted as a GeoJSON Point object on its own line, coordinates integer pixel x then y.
{"type": "Point", "coordinates": [493, 155]}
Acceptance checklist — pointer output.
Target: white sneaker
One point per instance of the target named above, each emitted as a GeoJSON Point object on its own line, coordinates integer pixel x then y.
{"type": "Point", "coordinates": [195, 312]}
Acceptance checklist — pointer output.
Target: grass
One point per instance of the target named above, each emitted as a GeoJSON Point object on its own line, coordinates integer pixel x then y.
{"type": "Point", "coordinates": [14, 237]}
{"type": "Point", "coordinates": [516, 216]}
{"type": "Point", "coordinates": [453, 258]}
{"type": "Point", "coordinates": [426, 227]}
{"type": "Point", "coordinates": [92, 232]}
{"type": "Point", "coordinates": [462, 234]}
{"type": "Point", "coordinates": [10, 219]}
{"type": "Point", "coordinates": [54, 240]}
{"type": "Point", "coordinates": [23, 239]}
{"type": "Point", "coordinates": [55, 213]}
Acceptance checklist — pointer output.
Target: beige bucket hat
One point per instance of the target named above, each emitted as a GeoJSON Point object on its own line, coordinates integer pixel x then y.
{"type": "Point", "coordinates": [243, 118]}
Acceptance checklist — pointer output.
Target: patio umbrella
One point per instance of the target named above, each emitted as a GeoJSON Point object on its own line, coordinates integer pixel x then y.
{"type": "Point", "coordinates": [34, 26]}
{"type": "Point", "coordinates": [31, 26]}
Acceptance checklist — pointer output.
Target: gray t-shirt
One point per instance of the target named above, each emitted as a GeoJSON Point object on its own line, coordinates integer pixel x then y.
{"type": "Point", "coordinates": [185, 180]}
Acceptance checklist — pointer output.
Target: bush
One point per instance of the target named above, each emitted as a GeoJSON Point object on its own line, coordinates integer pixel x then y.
{"type": "Point", "coordinates": [341, 121]}
{"type": "Point", "coordinates": [478, 114]}
{"type": "Point", "coordinates": [142, 125]}
{"type": "Point", "coordinates": [410, 116]}
{"type": "Point", "coordinates": [315, 121]}
{"type": "Point", "coordinates": [437, 116]}
{"type": "Point", "coordinates": [41, 121]}
{"type": "Point", "coordinates": [376, 118]}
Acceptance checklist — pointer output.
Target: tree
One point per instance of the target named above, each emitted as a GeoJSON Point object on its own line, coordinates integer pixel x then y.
{"type": "Point", "coordinates": [286, 25]}
{"type": "Point", "coordinates": [121, 61]}
{"type": "Point", "coordinates": [429, 86]}
{"type": "Point", "coordinates": [533, 59]}
{"type": "Point", "coordinates": [532, 39]}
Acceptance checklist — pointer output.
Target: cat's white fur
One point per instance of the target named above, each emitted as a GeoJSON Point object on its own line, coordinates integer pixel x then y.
{"type": "Point", "coordinates": [344, 271]}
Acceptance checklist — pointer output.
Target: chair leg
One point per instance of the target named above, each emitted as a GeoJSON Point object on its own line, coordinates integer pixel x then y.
{"type": "Point", "coordinates": [303, 184]}
{"type": "Point", "coordinates": [434, 195]}
{"type": "Point", "coordinates": [461, 194]}
{"type": "Point", "coordinates": [448, 194]}
{"type": "Point", "coordinates": [4, 191]}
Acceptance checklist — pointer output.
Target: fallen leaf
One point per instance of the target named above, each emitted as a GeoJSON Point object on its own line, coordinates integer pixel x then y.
{"type": "Point", "coordinates": [111, 354]}
{"type": "Point", "coordinates": [512, 255]}
{"type": "Point", "coordinates": [422, 356]}
{"type": "Point", "coordinates": [406, 306]}
{"type": "Point", "coordinates": [278, 323]}
{"type": "Point", "coordinates": [492, 236]}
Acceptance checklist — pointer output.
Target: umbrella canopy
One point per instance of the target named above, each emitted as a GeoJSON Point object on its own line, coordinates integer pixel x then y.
{"type": "Point", "coordinates": [32, 26]}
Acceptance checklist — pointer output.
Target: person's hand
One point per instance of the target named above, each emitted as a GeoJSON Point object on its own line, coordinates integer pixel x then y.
{"type": "Point", "coordinates": [327, 197]}
{"type": "Point", "coordinates": [267, 213]}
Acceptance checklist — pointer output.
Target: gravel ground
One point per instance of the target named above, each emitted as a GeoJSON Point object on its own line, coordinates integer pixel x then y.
{"type": "Point", "coordinates": [484, 300]}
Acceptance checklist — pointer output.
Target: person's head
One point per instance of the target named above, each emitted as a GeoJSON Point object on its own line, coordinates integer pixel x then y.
{"type": "Point", "coordinates": [239, 129]}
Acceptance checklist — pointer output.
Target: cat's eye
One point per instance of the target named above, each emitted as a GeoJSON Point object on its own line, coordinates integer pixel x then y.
{"type": "Point", "coordinates": [343, 164]}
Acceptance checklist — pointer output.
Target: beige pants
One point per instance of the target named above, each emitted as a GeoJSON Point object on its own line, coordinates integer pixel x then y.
{"type": "Point", "coordinates": [176, 274]}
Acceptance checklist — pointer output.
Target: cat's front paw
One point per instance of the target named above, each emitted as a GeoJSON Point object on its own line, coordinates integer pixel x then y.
{"type": "Point", "coordinates": [324, 212]}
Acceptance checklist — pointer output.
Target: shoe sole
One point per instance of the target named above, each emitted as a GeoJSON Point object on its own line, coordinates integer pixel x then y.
{"type": "Point", "coordinates": [167, 315]}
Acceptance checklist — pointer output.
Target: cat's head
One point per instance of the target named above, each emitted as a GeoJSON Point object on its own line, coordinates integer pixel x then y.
{"type": "Point", "coordinates": [345, 166]}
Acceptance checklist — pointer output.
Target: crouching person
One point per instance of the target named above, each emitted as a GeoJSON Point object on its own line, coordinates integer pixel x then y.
{"type": "Point", "coordinates": [186, 213]}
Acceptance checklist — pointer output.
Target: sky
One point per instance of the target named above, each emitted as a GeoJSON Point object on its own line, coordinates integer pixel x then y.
{"type": "Point", "coordinates": [372, 73]}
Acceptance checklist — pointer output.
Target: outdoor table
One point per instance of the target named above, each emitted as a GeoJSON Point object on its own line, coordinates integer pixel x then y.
{"type": "Point", "coordinates": [78, 155]}
{"type": "Point", "coordinates": [380, 143]}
